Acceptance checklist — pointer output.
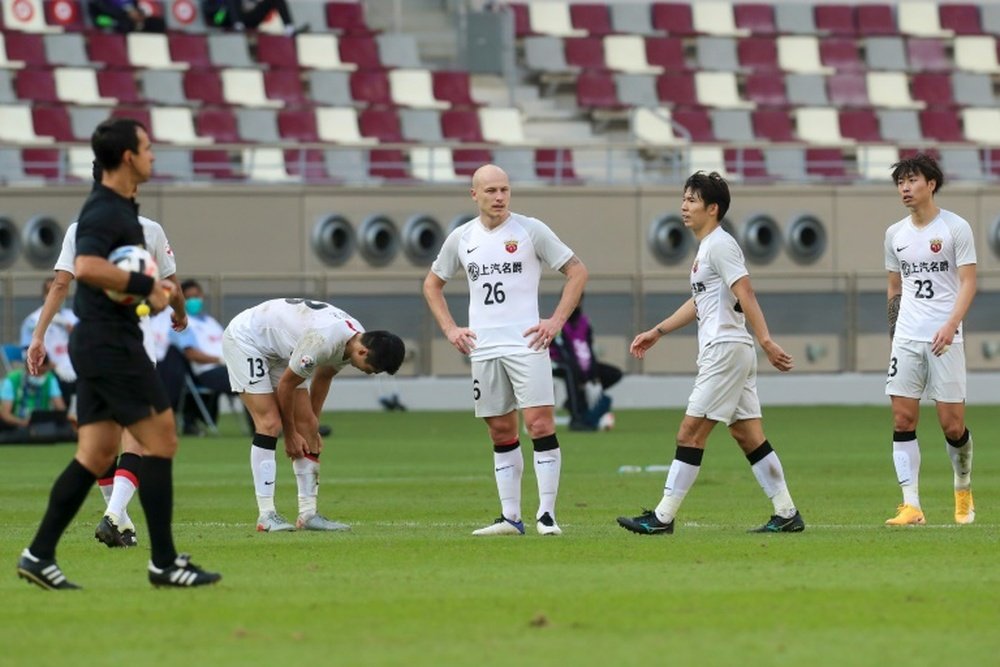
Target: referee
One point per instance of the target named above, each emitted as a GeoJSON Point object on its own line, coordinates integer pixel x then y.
{"type": "Point", "coordinates": [117, 384]}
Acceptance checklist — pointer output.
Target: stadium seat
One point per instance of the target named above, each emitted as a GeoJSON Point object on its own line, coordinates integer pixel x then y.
{"type": "Point", "coordinates": [860, 125]}
{"type": "Point", "coordinates": [36, 85]}
{"type": "Point", "coordinates": [398, 49]}
{"type": "Point", "coordinates": [732, 125]}
{"type": "Point", "coordinates": [666, 52]}
{"type": "Point", "coordinates": [413, 88]}
{"type": "Point", "coordinates": [555, 165]}
{"type": "Point", "coordinates": [388, 164]}
{"type": "Point", "coordinates": [677, 89]}
{"type": "Point", "coordinates": [146, 49]}
{"type": "Point", "coordinates": [715, 17]}
{"type": "Point", "coordinates": [900, 126]}
{"type": "Point", "coordinates": [976, 54]}
{"type": "Point", "coordinates": [552, 18]}
{"type": "Point", "coordinates": [673, 18]}
{"type": "Point", "coordinates": [461, 125]}
{"type": "Point", "coordinates": [214, 164]}
{"type": "Point", "coordinates": [806, 89]}
{"type": "Point", "coordinates": [78, 85]}
{"type": "Point", "coordinates": [757, 54]}
{"type": "Point", "coordinates": [876, 20]}
{"type": "Point", "coordinates": [519, 163]}
{"type": "Point", "coordinates": [818, 125]}
{"type": "Point", "coordinates": [885, 52]}
{"type": "Point", "coordinates": [719, 89]}
{"type": "Point", "coordinates": [362, 52]}
{"type": "Point", "coordinates": [83, 120]}
{"type": "Point", "coordinates": [80, 163]}
{"type": "Point", "coordinates": [786, 163]}
{"type": "Point", "coordinates": [421, 125]}
{"type": "Point", "coordinates": [119, 85]}
{"type": "Point", "coordinates": [43, 163]}
{"type": "Point", "coordinates": [339, 125]}
{"type": "Point", "coordinates": [265, 164]}
{"type": "Point", "coordinates": [173, 164]}
{"type": "Point", "coordinates": [826, 163]}
{"type": "Point", "coordinates": [708, 158]}
{"type": "Point", "coordinates": [890, 90]}
{"type": "Point", "coordinates": [597, 90]}
{"type": "Point", "coordinates": [258, 126]}
{"type": "Point", "coordinates": [928, 54]}
{"type": "Point", "coordinates": [467, 160]}
{"type": "Point", "coordinates": [347, 17]}
{"type": "Point", "coordinates": [330, 88]}
{"type": "Point", "coordinates": [26, 16]}
{"type": "Point", "coordinates": [960, 19]}
{"type": "Point", "coordinates": [627, 53]}
{"type": "Point", "coordinates": [773, 125]}
{"type": "Point", "coordinates": [849, 89]}
{"type": "Point", "coordinates": [161, 86]}
{"type": "Point", "coordinates": [932, 88]}
{"type": "Point", "coordinates": [277, 51]}
{"type": "Point", "coordinates": [380, 124]}
{"type": "Point", "coordinates": [989, 16]}
{"type": "Point", "coordinates": [25, 47]}
{"type": "Point", "coordinates": [636, 90]}
{"type": "Point", "coordinates": [320, 51]}
{"type": "Point", "coordinates": [346, 165]}
{"type": "Point", "coordinates": [284, 85]}
{"type": "Point", "coordinates": [190, 48]}
{"type": "Point", "coordinates": [229, 49]}
{"type": "Point", "coordinates": [107, 49]}
{"type": "Point", "coordinates": [755, 18]}
{"type": "Point", "coordinates": [522, 22]}
{"type": "Point", "coordinates": [941, 125]}
{"type": "Point", "coordinates": [203, 85]}
{"type": "Point", "coordinates": [746, 164]}
{"type": "Point", "coordinates": [835, 20]}
{"type": "Point", "coordinates": [5, 61]}
{"type": "Point", "coordinates": [973, 89]}
{"type": "Point", "coordinates": [53, 121]}
{"type": "Point", "coordinates": [874, 162]}
{"type": "Point", "coordinates": [655, 127]}
{"type": "Point", "coordinates": [982, 126]}
{"type": "Point", "coordinates": [245, 87]}
{"type": "Point", "coordinates": [17, 126]}
{"type": "Point", "coordinates": [432, 163]}
{"type": "Point", "coordinates": [795, 18]}
{"type": "Point", "coordinates": [306, 164]}
{"type": "Point", "coordinates": [501, 125]}
{"type": "Point", "coordinates": [584, 52]}
{"type": "Point", "coordinates": [696, 122]}
{"type": "Point", "coordinates": [920, 19]}
{"type": "Point", "coordinates": [453, 87]}
{"type": "Point", "coordinates": [298, 125]}
{"type": "Point", "coordinates": [631, 18]}
{"type": "Point", "coordinates": [67, 49]}
{"type": "Point", "coordinates": [175, 125]}
{"type": "Point", "coordinates": [594, 19]}
{"type": "Point", "coordinates": [219, 123]}
{"type": "Point", "coordinates": [544, 53]}
{"type": "Point", "coordinates": [716, 53]}
{"type": "Point", "coordinates": [800, 53]}
{"type": "Point", "coordinates": [370, 87]}
{"type": "Point", "coordinates": [766, 88]}
{"type": "Point", "coordinates": [840, 54]}
{"type": "Point", "coordinates": [962, 164]}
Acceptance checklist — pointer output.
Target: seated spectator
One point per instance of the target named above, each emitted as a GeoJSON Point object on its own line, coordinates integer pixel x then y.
{"type": "Point", "coordinates": [201, 344]}
{"type": "Point", "coordinates": [123, 16]}
{"type": "Point", "coordinates": [247, 14]}
{"type": "Point", "coordinates": [56, 342]}
{"type": "Point", "coordinates": [22, 394]}
{"type": "Point", "coordinates": [586, 378]}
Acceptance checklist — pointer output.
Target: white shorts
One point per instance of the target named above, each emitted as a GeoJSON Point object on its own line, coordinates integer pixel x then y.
{"type": "Point", "coordinates": [726, 387]}
{"type": "Point", "coordinates": [250, 370]}
{"type": "Point", "coordinates": [504, 384]}
{"type": "Point", "coordinates": [914, 372]}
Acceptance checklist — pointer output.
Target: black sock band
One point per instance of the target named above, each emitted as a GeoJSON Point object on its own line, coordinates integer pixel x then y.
{"type": "Point", "coordinates": [546, 443]}
{"type": "Point", "coordinates": [961, 441]}
{"type": "Point", "coordinates": [690, 455]}
{"type": "Point", "coordinates": [763, 449]}
{"type": "Point", "coordinates": [509, 447]}
{"type": "Point", "coordinates": [68, 493]}
{"type": "Point", "coordinates": [265, 441]}
{"type": "Point", "coordinates": [130, 463]}
{"type": "Point", "coordinates": [904, 436]}
{"type": "Point", "coordinates": [156, 493]}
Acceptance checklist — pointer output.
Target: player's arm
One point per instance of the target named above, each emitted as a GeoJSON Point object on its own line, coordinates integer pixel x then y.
{"type": "Point", "coordinates": [966, 292]}
{"type": "Point", "coordinates": [463, 338]}
{"type": "Point", "coordinates": [894, 294]}
{"type": "Point", "coordinates": [743, 291]}
{"type": "Point", "coordinates": [319, 389]}
{"type": "Point", "coordinates": [53, 302]}
{"type": "Point", "coordinates": [8, 416]}
{"type": "Point", "coordinates": [295, 445]}
{"type": "Point", "coordinates": [680, 318]}
{"type": "Point", "coordinates": [576, 279]}
{"type": "Point", "coordinates": [178, 316]}
{"type": "Point", "coordinates": [98, 272]}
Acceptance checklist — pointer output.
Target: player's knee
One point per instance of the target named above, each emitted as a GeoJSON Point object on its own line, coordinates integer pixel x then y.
{"type": "Point", "coordinates": [267, 423]}
{"type": "Point", "coordinates": [954, 428]}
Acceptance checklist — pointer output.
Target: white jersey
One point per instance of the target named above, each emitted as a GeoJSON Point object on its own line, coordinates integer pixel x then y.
{"type": "Point", "coordinates": [503, 267]}
{"type": "Point", "coordinates": [56, 340]}
{"type": "Point", "coordinates": [717, 266]}
{"type": "Point", "coordinates": [305, 334]}
{"type": "Point", "coordinates": [157, 245]}
{"type": "Point", "coordinates": [927, 259]}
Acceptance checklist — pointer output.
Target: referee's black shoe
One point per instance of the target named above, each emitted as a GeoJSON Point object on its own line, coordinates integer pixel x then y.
{"type": "Point", "coordinates": [43, 572]}
{"type": "Point", "coordinates": [182, 574]}
{"type": "Point", "coordinates": [646, 523]}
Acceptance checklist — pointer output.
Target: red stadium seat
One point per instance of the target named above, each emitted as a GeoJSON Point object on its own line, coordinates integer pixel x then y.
{"type": "Point", "coordinates": [677, 89]}
{"type": "Point", "coordinates": [382, 124]}
{"type": "Point", "coordinates": [215, 164]}
{"type": "Point", "coordinates": [773, 125]}
{"type": "Point", "coordinates": [277, 51]}
{"type": "Point", "coordinates": [36, 85]}
{"type": "Point", "coordinates": [44, 162]}
{"type": "Point", "coordinates": [835, 20]}
{"type": "Point", "coordinates": [758, 53]}
{"type": "Point", "coordinates": [928, 54]}
{"type": "Point", "coordinates": [370, 87]}
{"type": "Point", "coordinates": [190, 48]}
{"type": "Point", "coordinates": [453, 87]}
{"type": "Point", "coordinates": [285, 85]}
{"type": "Point", "coordinates": [584, 52]}
{"type": "Point", "coordinates": [666, 52]}
{"type": "Point", "coordinates": [840, 53]}
{"type": "Point", "coordinates": [941, 125]}
{"type": "Point", "coordinates": [218, 123]}
{"type": "Point", "coordinates": [962, 19]}
{"type": "Point", "coordinates": [673, 18]}
{"type": "Point", "coordinates": [594, 18]}
{"type": "Point", "coordinates": [826, 162]}
{"type": "Point", "coordinates": [119, 84]}
{"type": "Point", "coordinates": [347, 17]}
{"type": "Point", "coordinates": [461, 125]}
{"type": "Point", "coordinates": [467, 160]}
{"type": "Point", "coordinates": [389, 164]}
{"type": "Point", "coordinates": [298, 125]}
{"type": "Point", "coordinates": [876, 20]}
{"type": "Point", "coordinates": [362, 51]}
{"type": "Point", "coordinates": [307, 164]}
{"type": "Point", "coordinates": [140, 114]}
{"type": "Point", "coordinates": [204, 85]}
{"type": "Point", "coordinates": [696, 121]}
{"type": "Point", "coordinates": [747, 162]}
{"type": "Point", "coordinates": [555, 164]}
{"type": "Point", "coordinates": [933, 88]}
{"type": "Point", "coordinates": [597, 90]}
{"type": "Point", "coordinates": [847, 90]}
{"type": "Point", "coordinates": [52, 121]}
{"type": "Point", "coordinates": [108, 49]}
{"type": "Point", "coordinates": [758, 19]}
{"type": "Point", "coordinates": [522, 19]}
{"type": "Point", "coordinates": [860, 125]}
{"type": "Point", "coordinates": [27, 47]}
{"type": "Point", "coordinates": [766, 89]}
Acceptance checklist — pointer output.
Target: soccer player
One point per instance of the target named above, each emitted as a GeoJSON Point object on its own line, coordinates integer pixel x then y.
{"type": "Point", "coordinates": [117, 384]}
{"type": "Point", "coordinates": [281, 356]}
{"type": "Point", "coordinates": [120, 481]}
{"type": "Point", "coordinates": [501, 254]}
{"type": "Point", "coordinates": [931, 259]}
{"type": "Point", "coordinates": [725, 389]}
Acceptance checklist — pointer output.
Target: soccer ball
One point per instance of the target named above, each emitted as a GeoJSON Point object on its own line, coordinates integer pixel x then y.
{"type": "Point", "coordinates": [606, 422]}
{"type": "Point", "coordinates": [132, 258]}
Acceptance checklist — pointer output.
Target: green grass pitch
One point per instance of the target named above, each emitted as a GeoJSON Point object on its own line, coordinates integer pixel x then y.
{"type": "Point", "coordinates": [410, 585]}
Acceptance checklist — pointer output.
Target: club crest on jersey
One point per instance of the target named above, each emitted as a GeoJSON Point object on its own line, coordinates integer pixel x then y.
{"type": "Point", "coordinates": [936, 245]}
{"type": "Point", "coordinates": [307, 362]}
{"type": "Point", "coordinates": [510, 246]}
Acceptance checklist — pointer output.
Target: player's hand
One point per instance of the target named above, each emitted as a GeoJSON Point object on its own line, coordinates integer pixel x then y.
{"type": "Point", "coordinates": [160, 297]}
{"type": "Point", "coordinates": [642, 342]}
{"type": "Point", "coordinates": [463, 338]}
{"type": "Point", "coordinates": [35, 356]}
{"type": "Point", "coordinates": [296, 446]}
{"type": "Point", "coordinates": [778, 357]}
{"type": "Point", "coordinates": [178, 321]}
{"type": "Point", "coordinates": [542, 334]}
{"type": "Point", "coordinates": [942, 340]}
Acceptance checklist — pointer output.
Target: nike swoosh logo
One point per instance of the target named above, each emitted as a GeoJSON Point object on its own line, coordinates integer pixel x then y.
{"type": "Point", "coordinates": [268, 483]}
{"type": "Point", "coordinates": [252, 382]}
{"type": "Point", "coordinates": [471, 250]}
{"type": "Point", "coordinates": [902, 249]}
{"type": "Point", "coordinates": [503, 468]}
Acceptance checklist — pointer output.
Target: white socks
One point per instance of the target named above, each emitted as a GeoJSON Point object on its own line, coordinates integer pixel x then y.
{"type": "Point", "coordinates": [264, 471]}
{"type": "Point", "coordinates": [771, 477]}
{"type": "Point", "coordinates": [508, 467]}
{"type": "Point", "coordinates": [680, 478]}
{"type": "Point", "coordinates": [906, 459]}
{"type": "Point", "coordinates": [548, 465]}
{"type": "Point", "coordinates": [121, 494]}
{"type": "Point", "coordinates": [307, 478]}
{"type": "Point", "coordinates": [960, 453]}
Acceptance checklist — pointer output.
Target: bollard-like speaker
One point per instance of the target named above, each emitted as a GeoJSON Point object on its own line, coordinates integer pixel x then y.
{"type": "Point", "coordinates": [669, 240]}
{"type": "Point", "coordinates": [10, 242]}
{"type": "Point", "coordinates": [422, 239]}
{"type": "Point", "coordinates": [378, 240]}
{"type": "Point", "coordinates": [760, 237]}
{"type": "Point", "coordinates": [333, 239]}
{"type": "Point", "coordinates": [42, 239]}
{"type": "Point", "coordinates": [805, 239]}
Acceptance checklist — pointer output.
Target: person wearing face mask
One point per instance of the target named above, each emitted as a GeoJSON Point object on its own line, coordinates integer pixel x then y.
{"type": "Point", "coordinates": [201, 344]}
{"type": "Point", "coordinates": [22, 394]}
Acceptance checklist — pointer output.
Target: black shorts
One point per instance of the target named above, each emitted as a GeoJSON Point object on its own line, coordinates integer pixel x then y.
{"type": "Point", "coordinates": [115, 379]}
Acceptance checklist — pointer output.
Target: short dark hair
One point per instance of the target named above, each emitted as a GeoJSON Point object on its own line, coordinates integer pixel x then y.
{"type": "Point", "coordinates": [712, 188]}
{"type": "Point", "coordinates": [385, 350]}
{"type": "Point", "coordinates": [112, 138]}
{"type": "Point", "coordinates": [189, 283]}
{"type": "Point", "coordinates": [923, 164]}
